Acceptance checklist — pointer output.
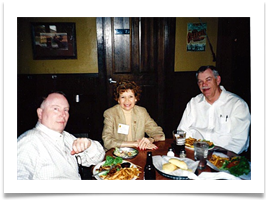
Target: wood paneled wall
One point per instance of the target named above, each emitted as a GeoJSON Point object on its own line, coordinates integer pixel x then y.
{"type": "Point", "coordinates": [85, 115]}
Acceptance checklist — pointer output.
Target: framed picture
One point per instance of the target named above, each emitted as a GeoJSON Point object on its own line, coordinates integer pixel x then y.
{"type": "Point", "coordinates": [53, 41]}
{"type": "Point", "coordinates": [196, 37]}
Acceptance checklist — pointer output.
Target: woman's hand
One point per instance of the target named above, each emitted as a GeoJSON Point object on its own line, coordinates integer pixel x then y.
{"type": "Point", "coordinates": [145, 143]}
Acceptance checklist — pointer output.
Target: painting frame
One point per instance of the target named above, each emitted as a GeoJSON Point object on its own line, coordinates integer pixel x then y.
{"type": "Point", "coordinates": [53, 40]}
{"type": "Point", "coordinates": [196, 36]}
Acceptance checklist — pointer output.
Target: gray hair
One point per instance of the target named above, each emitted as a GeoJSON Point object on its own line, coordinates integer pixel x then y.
{"type": "Point", "coordinates": [204, 68]}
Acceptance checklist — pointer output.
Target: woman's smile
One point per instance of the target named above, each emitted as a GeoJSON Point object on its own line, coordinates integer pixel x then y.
{"type": "Point", "coordinates": [127, 100]}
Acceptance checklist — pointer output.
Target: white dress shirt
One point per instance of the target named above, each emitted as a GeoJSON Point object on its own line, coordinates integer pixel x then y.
{"type": "Point", "coordinates": [46, 154]}
{"type": "Point", "coordinates": [226, 122]}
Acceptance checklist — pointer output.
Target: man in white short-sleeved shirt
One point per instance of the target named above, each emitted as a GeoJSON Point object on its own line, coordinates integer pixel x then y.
{"type": "Point", "coordinates": [216, 114]}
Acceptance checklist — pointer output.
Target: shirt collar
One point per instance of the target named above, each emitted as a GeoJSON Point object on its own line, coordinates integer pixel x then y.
{"type": "Point", "coordinates": [54, 135]}
{"type": "Point", "coordinates": [221, 98]}
{"type": "Point", "coordinates": [223, 94]}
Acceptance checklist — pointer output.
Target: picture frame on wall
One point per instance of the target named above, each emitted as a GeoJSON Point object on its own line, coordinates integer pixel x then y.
{"type": "Point", "coordinates": [53, 40]}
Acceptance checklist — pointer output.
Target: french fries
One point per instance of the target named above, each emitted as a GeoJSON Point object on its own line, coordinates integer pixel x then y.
{"type": "Point", "coordinates": [124, 174]}
{"type": "Point", "coordinates": [217, 160]}
{"type": "Point", "coordinates": [190, 142]}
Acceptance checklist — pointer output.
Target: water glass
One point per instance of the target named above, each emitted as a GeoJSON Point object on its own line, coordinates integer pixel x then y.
{"type": "Point", "coordinates": [201, 153]}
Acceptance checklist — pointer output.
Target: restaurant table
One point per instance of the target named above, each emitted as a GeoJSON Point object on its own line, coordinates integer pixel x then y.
{"type": "Point", "coordinates": [163, 147]}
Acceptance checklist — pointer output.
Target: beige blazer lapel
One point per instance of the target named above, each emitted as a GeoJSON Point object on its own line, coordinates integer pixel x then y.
{"type": "Point", "coordinates": [135, 119]}
{"type": "Point", "coordinates": [120, 119]}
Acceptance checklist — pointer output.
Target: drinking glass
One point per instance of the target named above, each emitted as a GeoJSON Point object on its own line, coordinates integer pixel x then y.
{"type": "Point", "coordinates": [201, 153]}
{"type": "Point", "coordinates": [179, 136]}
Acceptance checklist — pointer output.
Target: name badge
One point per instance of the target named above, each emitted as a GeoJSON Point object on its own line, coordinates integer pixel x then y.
{"type": "Point", "coordinates": [123, 129]}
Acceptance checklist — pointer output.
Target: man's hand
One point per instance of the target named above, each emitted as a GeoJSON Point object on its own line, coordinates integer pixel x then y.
{"type": "Point", "coordinates": [80, 145]}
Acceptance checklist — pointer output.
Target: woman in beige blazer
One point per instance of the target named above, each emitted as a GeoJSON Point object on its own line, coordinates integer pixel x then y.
{"type": "Point", "coordinates": [126, 123]}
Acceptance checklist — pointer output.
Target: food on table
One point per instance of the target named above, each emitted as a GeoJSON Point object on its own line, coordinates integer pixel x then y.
{"type": "Point", "coordinates": [123, 174]}
{"type": "Point", "coordinates": [189, 142]}
{"type": "Point", "coordinates": [210, 144]}
{"type": "Point", "coordinates": [179, 163]}
{"type": "Point", "coordinates": [217, 160]}
{"type": "Point", "coordinates": [237, 166]}
{"type": "Point", "coordinates": [116, 169]}
{"type": "Point", "coordinates": [174, 164]}
{"type": "Point", "coordinates": [125, 165]}
{"type": "Point", "coordinates": [125, 152]}
{"type": "Point", "coordinates": [169, 167]}
{"type": "Point", "coordinates": [110, 161]}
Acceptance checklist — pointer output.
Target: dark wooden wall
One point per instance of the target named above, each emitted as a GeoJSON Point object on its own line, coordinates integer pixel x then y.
{"type": "Point", "coordinates": [85, 115]}
{"type": "Point", "coordinates": [234, 55]}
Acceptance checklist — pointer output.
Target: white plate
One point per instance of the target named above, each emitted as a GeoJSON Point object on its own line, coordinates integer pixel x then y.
{"type": "Point", "coordinates": [244, 176]}
{"type": "Point", "coordinates": [193, 148]}
{"type": "Point", "coordinates": [126, 150]}
{"type": "Point", "coordinates": [95, 169]}
{"type": "Point", "coordinates": [197, 138]}
{"type": "Point", "coordinates": [222, 155]}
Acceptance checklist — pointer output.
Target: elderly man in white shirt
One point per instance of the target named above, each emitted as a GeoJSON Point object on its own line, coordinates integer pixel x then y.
{"type": "Point", "coordinates": [216, 114]}
{"type": "Point", "coordinates": [49, 152]}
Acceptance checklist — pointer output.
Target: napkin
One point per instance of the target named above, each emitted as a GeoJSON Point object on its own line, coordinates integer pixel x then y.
{"type": "Point", "coordinates": [158, 162]}
{"type": "Point", "coordinates": [213, 176]}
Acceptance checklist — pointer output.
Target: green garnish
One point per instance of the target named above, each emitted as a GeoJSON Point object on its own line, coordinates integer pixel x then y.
{"type": "Point", "coordinates": [112, 161]}
{"type": "Point", "coordinates": [237, 166]}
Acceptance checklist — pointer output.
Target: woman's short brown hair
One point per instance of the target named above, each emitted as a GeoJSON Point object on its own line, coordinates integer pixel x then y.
{"type": "Point", "coordinates": [123, 86]}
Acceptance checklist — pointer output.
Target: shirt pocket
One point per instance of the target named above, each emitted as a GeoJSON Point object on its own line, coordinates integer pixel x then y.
{"type": "Point", "coordinates": [223, 124]}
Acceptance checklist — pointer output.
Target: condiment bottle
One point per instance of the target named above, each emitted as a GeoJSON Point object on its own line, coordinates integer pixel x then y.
{"type": "Point", "coordinates": [182, 154]}
{"type": "Point", "coordinates": [149, 169]}
{"type": "Point", "coordinates": [170, 152]}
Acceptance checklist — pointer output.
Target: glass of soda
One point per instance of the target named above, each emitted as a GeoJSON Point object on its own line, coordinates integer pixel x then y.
{"type": "Point", "coordinates": [179, 136]}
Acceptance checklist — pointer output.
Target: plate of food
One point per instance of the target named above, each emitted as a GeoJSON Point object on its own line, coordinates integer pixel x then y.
{"type": "Point", "coordinates": [217, 159]}
{"type": "Point", "coordinates": [189, 143]}
{"type": "Point", "coordinates": [175, 168]}
{"type": "Point", "coordinates": [238, 166]}
{"type": "Point", "coordinates": [125, 152]}
{"type": "Point", "coordinates": [116, 169]}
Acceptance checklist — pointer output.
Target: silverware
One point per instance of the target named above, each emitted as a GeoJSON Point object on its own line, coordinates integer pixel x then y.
{"type": "Point", "coordinates": [104, 171]}
{"type": "Point", "coordinates": [100, 173]}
